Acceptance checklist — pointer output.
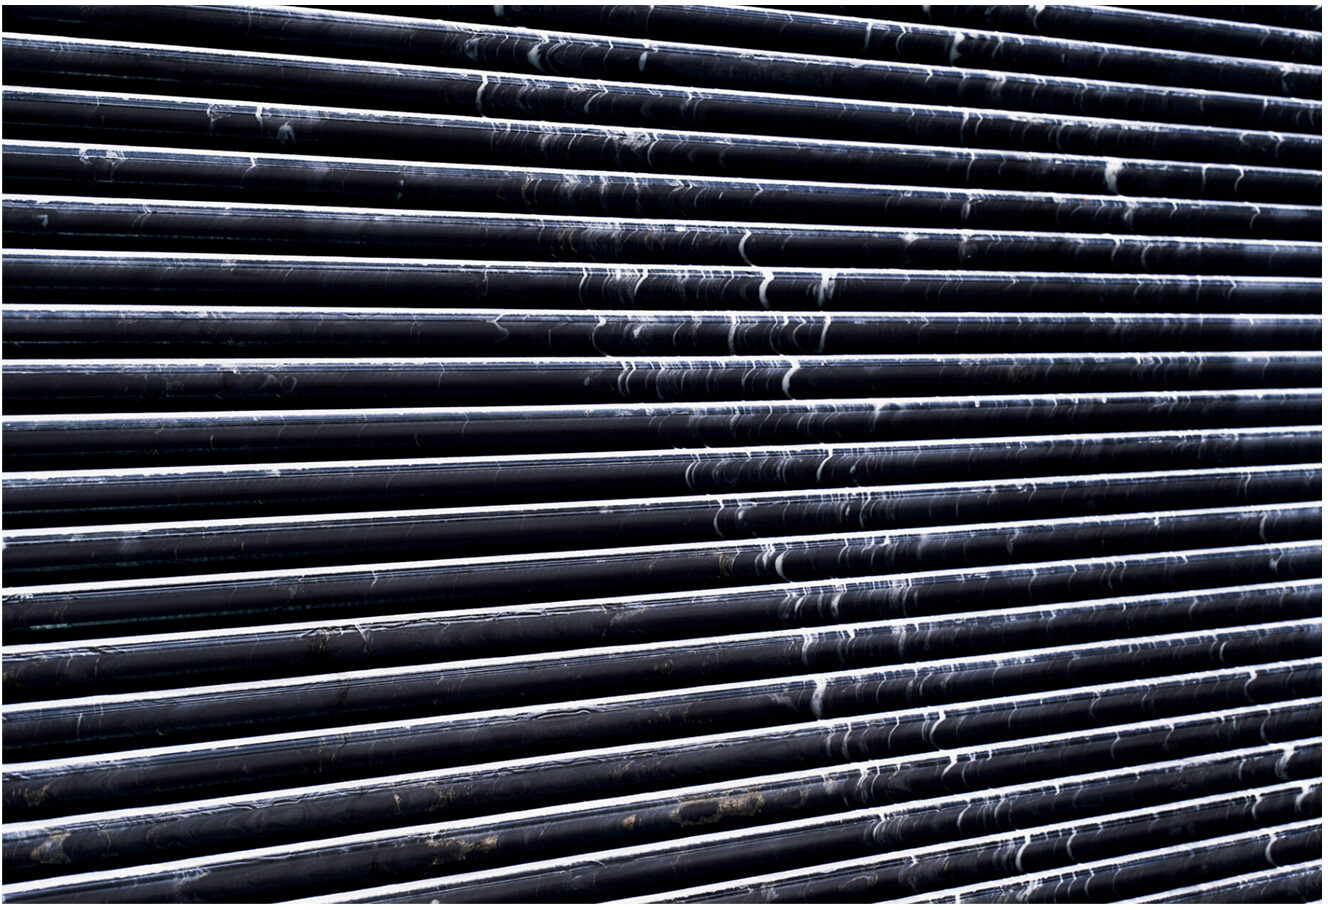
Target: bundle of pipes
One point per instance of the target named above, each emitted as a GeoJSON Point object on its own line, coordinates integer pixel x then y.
{"type": "Point", "coordinates": [683, 453]}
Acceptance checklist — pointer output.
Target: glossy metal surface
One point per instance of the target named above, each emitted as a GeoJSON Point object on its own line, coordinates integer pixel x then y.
{"type": "Point", "coordinates": [540, 455]}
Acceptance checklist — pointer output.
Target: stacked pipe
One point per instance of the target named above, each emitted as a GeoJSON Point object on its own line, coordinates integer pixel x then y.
{"type": "Point", "coordinates": [683, 453]}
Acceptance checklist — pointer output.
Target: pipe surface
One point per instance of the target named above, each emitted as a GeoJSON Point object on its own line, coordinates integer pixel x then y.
{"type": "Point", "coordinates": [403, 850]}
{"type": "Point", "coordinates": [899, 873]}
{"type": "Point", "coordinates": [66, 667]}
{"type": "Point", "coordinates": [670, 147]}
{"type": "Point", "coordinates": [587, 454]}
{"type": "Point", "coordinates": [73, 222]}
{"type": "Point", "coordinates": [287, 77]}
{"type": "Point", "coordinates": [50, 847]}
{"type": "Point", "coordinates": [475, 581]}
{"type": "Point", "coordinates": [71, 169]}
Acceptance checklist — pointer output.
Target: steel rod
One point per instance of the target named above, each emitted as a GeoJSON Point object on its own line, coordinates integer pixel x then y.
{"type": "Point", "coordinates": [841, 36]}
{"type": "Point", "coordinates": [296, 758]}
{"type": "Point", "coordinates": [124, 663]}
{"type": "Point", "coordinates": [63, 276]}
{"type": "Point", "coordinates": [380, 857]}
{"type": "Point", "coordinates": [1297, 883]}
{"type": "Point", "coordinates": [524, 58]}
{"type": "Point", "coordinates": [57, 497]}
{"type": "Point", "coordinates": [207, 437]}
{"type": "Point", "coordinates": [213, 123]}
{"type": "Point", "coordinates": [53, 167]}
{"type": "Point", "coordinates": [106, 550]}
{"type": "Point", "coordinates": [210, 825]}
{"type": "Point", "coordinates": [71, 331]}
{"type": "Point", "coordinates": [70, 222]}
{"type": "Point", "coordinates": [692, 860]}
{"type": "Point", "coordinates": [496, 580]}
{"type": "Point", "coordinates": [898, 874]}
{"type": "Point", "coordinates": [67, 387]}
{"type": "Point", "coordinates": [166, 714]}
{"type": "Point", "coordinates": [1125, 26]}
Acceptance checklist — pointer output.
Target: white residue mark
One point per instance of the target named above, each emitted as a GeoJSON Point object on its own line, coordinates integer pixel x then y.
{"type": "Point", "coordinates": [1111, 173]}
{"type": "Point", "coordinates": [533, 56]}
{"type": "Point", "coordinates": [479, 93]}
{"type": "Point", "coordinates": [742, 247]}
{"type": "Point", "coordinates": [766, 278]}
{"type": "Point", "coordinates": [954, 47]}
{"type": "Point", "coordinates": [818, 698]}
{"type": "Point", "coordinates": [825, 290]}
{"type": "Point", "coordinates": [788, 376]}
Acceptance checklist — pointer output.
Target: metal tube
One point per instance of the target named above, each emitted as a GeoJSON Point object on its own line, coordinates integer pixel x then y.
{"type": "Point", "coordinates": [213, 123]}
{"type": "Point", "coordinates": [901, 873]}
{"type": "Point", "coordinates": [68, 387]}
{"type": "Point", "coordinates": [282, 488]}
{"type": "Point", "coordinates": [166, 714]}
{"type": "Point", "coordinates": [295, 758]}
{"type": "Point", "coordinates": [1125, 26]}
{"type": "Point", "coordinates": [202, 437]}
{"type": "Point", "coordinates": [1292, 884]}
{"type": "Point", "coordinates": [107, 551]}
{"type": "Point", "coordinates": [599, 670]}
{"type": "Point", "coordinates": [1125, 876]}
{"type": "Point", "coordinates": [287, 77]}
{"type": "Point", "coordinates": [93, 222]}
{"type": "Point", "coordinates": [69, 168]}
{"type": "Point", "coordinates": [380, 856]}
{"type": "Point", "coordinates": [65, 276]}
{"type": "Point", "coordinates": [112, 664]}
{"type": "Point", "coordinates": [618, 472]}
{"type": "Point", "coordinates": [97, 607]}
{"type": "Point", "coordinates": [819, 33]}
{"type": "Point", "coordinates": [84, 843]}
{"type": "Point", "coordinates": [690, 860]}
{"type": "Point", "coordinates": [71, 331]}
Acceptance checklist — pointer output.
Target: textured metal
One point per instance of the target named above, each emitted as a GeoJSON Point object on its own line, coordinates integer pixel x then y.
{"type": "Point", "coordinates": [546, 454]}
{"type": "Point", "coordinates": [676, 145]}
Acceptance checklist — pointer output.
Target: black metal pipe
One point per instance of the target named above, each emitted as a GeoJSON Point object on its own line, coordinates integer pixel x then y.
{"type": "Point", "coordinates": [379, 857]}
{"type": "Point", "coordinates": [66, 668]}
{"type": "Point", "coordinates": [901, 873]}
{"type": "Point", "coordinates": [1283, 18]}
{"type": "Point", "coordinates": [929, 191]}
{"type": "Point", "coordinates": [1299, 883]}
{"type": "Point", "coordinates": [1126, 877]}
{"type": "Point", "coordinates": [525, 62]}
{"type": "Point", "coordinates": [99, 551]}
{"type": "Point", "coordinates": [1114, 24]}
{"type": "Point", "coordinates": [217, 768]}
{"type": "Point", "coordinates": [120, 386]}
{"type": "Point", "coordinates": [47, 167]}
{"type": "Point", "coordinates": [839, 36]}
{"type": "Point", "coordinates": [768, 29]}
{"type": "Point", "coordinates": [51, 442]}
{"type": "Point", "coordinates": [620, 551]}
{"type": "Point", "coordinates": [74, 725]}
{"type": "Point", "coordinates": [706, 857]}
{"type": "Point", "coordinates": [59, 497]}
{"type": "Point", "coordinates": [71, 331]}
{"type": "Point", "coordinates": [57, 276]}
{"type": "Point", "coordinates": [92, 608]}
{"type": "Point", "coordinates": [160, 225]}
{"type": "Point", "coordinates": [67, 845]}
{"type": "Point", "coordinates": [71, 115]}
